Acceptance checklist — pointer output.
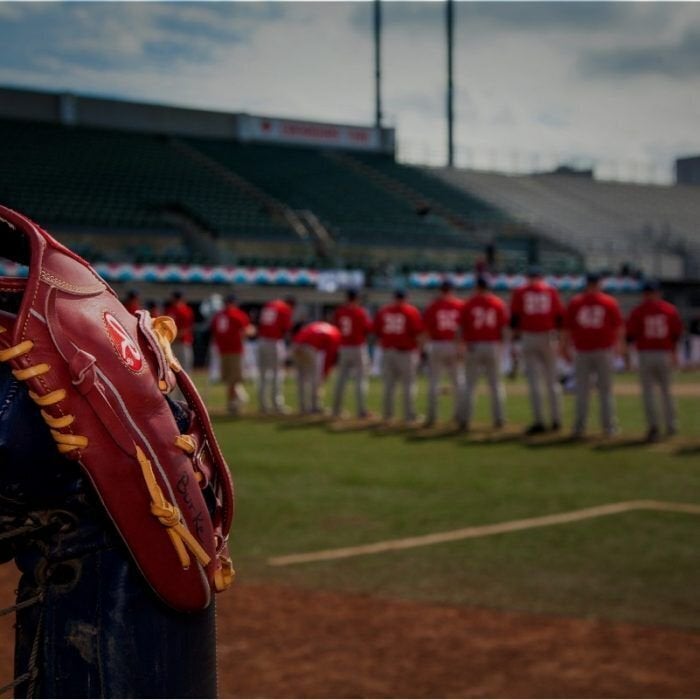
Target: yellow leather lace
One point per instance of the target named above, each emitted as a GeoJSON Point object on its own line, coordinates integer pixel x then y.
{"type": "Point", "coordinates": [165, 331]}
{"type": "Point", "coordinates": [225, 574]}
{"type": "Point", "coordinates": [65, 442]}
{"type": "Point", "coordinates": [170, 517]}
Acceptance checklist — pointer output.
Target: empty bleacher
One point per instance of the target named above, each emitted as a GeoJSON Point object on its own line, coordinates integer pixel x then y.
{"type": "Point", "coordinates": [474, 212]}
{"type": "Point", "coordinates": [354, 209]}
{"type": "Point", "coordinates": [111, 180]}
{"type": "Point", "coordinates": [654, 227]}
{"type": "Point", "coordinates": [121, 195]}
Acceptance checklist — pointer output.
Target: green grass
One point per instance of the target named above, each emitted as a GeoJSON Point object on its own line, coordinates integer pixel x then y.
{"type": "Point", "coordinates": [303, 488]}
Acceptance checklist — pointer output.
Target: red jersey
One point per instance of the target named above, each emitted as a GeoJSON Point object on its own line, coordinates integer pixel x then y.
{"type": "Point", "coordinates": [483, 318]}
{"type": "Point", "coordinates": [593, 319]}
{"type": "Point", "coordinates": [537, 307]}
{"type": "Point", "coordinates": [441, 318]}
{"type": "Point", "coordinates": [183, 315]}
{"type": "Point", "coordinates": [227, 329]}
{"type": "Point", "coordinates": [275, 320]}
{"type": "Point", "coordinates": [655, 325]}
{"type": "Point", "coordinates": [321, 336]}
{"type": "Point", "coordinates": [398, 325]}
{"type": "Point", "coordinates": [354, 324]}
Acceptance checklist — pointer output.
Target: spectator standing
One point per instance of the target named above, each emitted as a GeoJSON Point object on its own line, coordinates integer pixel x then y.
{"type": "Point", "coordinates": [441, 321]}
{"type": "Point", "coordinates": [315, 352]}
{"type": "Point", "coordinates": [655, 327]}
{"type": "Point", "coordinates": [483, 320]}
{"type": "Point", "coordinates": [354, 324]}
{"type": "Point", "coordinates": [537, 313]}
{"type": "Point", "coordinates": [183, 315]}
{"type": "Point", "coordinates": [398, 326]}
{"type": "Point", "coordinates": [228, 328]}
{"type": "Point", "coordinates": [594, 326]}
{"type": "Point", "coordinates": [274, 324]}
{"type": "Point", "coordinates": [153, 308]}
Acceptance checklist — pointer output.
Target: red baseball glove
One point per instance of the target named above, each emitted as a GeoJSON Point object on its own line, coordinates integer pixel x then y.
{"type": "Point", "coordinates": [101, 376]}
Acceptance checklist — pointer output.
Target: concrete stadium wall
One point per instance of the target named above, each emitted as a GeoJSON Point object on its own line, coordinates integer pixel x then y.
{"type": "Point", "coordinates": [132, 116]}
{"type": "Point", "coordinates": [79, 110]}
{"type": "Point", "coordinates": [74, 110]}
{"type": "Point", "coordinates": [23, 104]}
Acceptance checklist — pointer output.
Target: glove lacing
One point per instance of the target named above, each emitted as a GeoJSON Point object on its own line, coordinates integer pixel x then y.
{"type": "Point", "coordinates": [66, 442]}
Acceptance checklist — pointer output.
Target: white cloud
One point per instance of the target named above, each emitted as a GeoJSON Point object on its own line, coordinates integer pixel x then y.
{"type": "Point", "coordinates": [519, 83]}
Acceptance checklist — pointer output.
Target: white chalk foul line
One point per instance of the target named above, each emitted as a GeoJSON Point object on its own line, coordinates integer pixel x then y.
{"type": "Point", "coordinates": [468, 533]}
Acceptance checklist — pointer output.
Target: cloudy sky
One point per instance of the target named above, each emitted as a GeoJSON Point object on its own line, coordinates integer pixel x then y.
{"type": "Point", "coordinates": [615, 84]}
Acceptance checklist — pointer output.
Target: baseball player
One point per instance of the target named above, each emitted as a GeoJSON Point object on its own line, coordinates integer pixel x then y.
{"type": "Point", "coordinates": [354, 324]}
{"type": "Point", "coordinates": [183, 315]}
{"type": "Point", "coordinates": [315, 352]}
{"type": "Point", "coordinates": [274, 324]}
{"type": "Point", "coordinates": [655, 327]}
{"type": "Point", "coordinates": [398, 326]}
{"type": "Point", "coordinates": [132, 302]}
{"type": "Point", "coordinates": [594, 326]}
{"type": "Point", "coordinates": [536, 313]}
{"type": "Point", "coordinates": [483, 320]}
{"type": "Point", "coordinates": [228, 328]}
{"type": "Point", "coordinates": [441, 321]}
{"type": "Point", "coordinates": [115, 501]}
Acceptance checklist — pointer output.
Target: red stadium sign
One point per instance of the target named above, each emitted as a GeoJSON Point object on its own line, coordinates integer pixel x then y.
{"type": "Point", "coordinates": [252, 128]}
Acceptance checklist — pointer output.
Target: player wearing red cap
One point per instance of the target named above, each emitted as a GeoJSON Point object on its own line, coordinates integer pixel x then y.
{"type": "Point", "coordinates": [441, 321]}
{"type": "Point", "coordinates": [483, 321]}
{"type": "Point", "coordinates": [398, 326]}
{"type": "Point", "coordinates": [537, 313]}
{"type": "Point", "coordinates": [274, 324]}
{"type": "Point", "coordinates": [655, 326]}
{"type": "Point", "coordinates": [354, 324]}
{"type": "Point", "coordinates": [593, 324]}
{"type": "Point", "coordinates": [228, 327]}
{"type": "Point", "coordinates": [314, 351]}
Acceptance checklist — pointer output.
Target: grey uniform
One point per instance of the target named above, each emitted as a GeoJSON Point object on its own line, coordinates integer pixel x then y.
{"type": "Point", "coordinates": [656, 328]}
{"type": "Point", "coordinates": [540, 360]}
{"type": "Point", "coordinates": [399, 367]}
{"type": "Point", "coordinates": [398, 325]}
{"type": "Point", "coordinates": [587, 365]}
{"type": "Point", "coordinates": [309, 365]}
{"type": "Point", "coordinates": [594, 318]}
{"type": "Point", "coordinates": [486, 357]}
{"type": "Point", "coordinates": [271, 374]}
{"type": "Point", "coordinates": [655, 369]}
{"type": "Point", "coordinates": [353, 360]}
{"type": "Point", "coordinates": [443, 358]}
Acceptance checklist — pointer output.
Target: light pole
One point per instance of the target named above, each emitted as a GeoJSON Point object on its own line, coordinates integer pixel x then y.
{"type": "Point", "coordinates": [450, 88]}
{"type": "Point", "coordinates": [378, 64]}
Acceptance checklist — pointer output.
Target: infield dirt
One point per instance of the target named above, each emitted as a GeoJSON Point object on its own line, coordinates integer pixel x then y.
{"type": "Point", "coordinates": [285, 642]}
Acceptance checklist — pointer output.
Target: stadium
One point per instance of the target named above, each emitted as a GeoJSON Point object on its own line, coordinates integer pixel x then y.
{"type": "Point", "coordinates": [397, 560]}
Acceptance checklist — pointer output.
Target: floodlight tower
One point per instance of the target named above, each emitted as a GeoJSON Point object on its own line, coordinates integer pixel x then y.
{"type": "Point", "coordinates": [450, 88]}
{"type": "Point", "coordinates": [378, 64]}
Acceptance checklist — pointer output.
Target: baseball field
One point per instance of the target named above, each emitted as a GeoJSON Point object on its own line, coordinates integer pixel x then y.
{"type": "Point", "coordinates": [391, 562]}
